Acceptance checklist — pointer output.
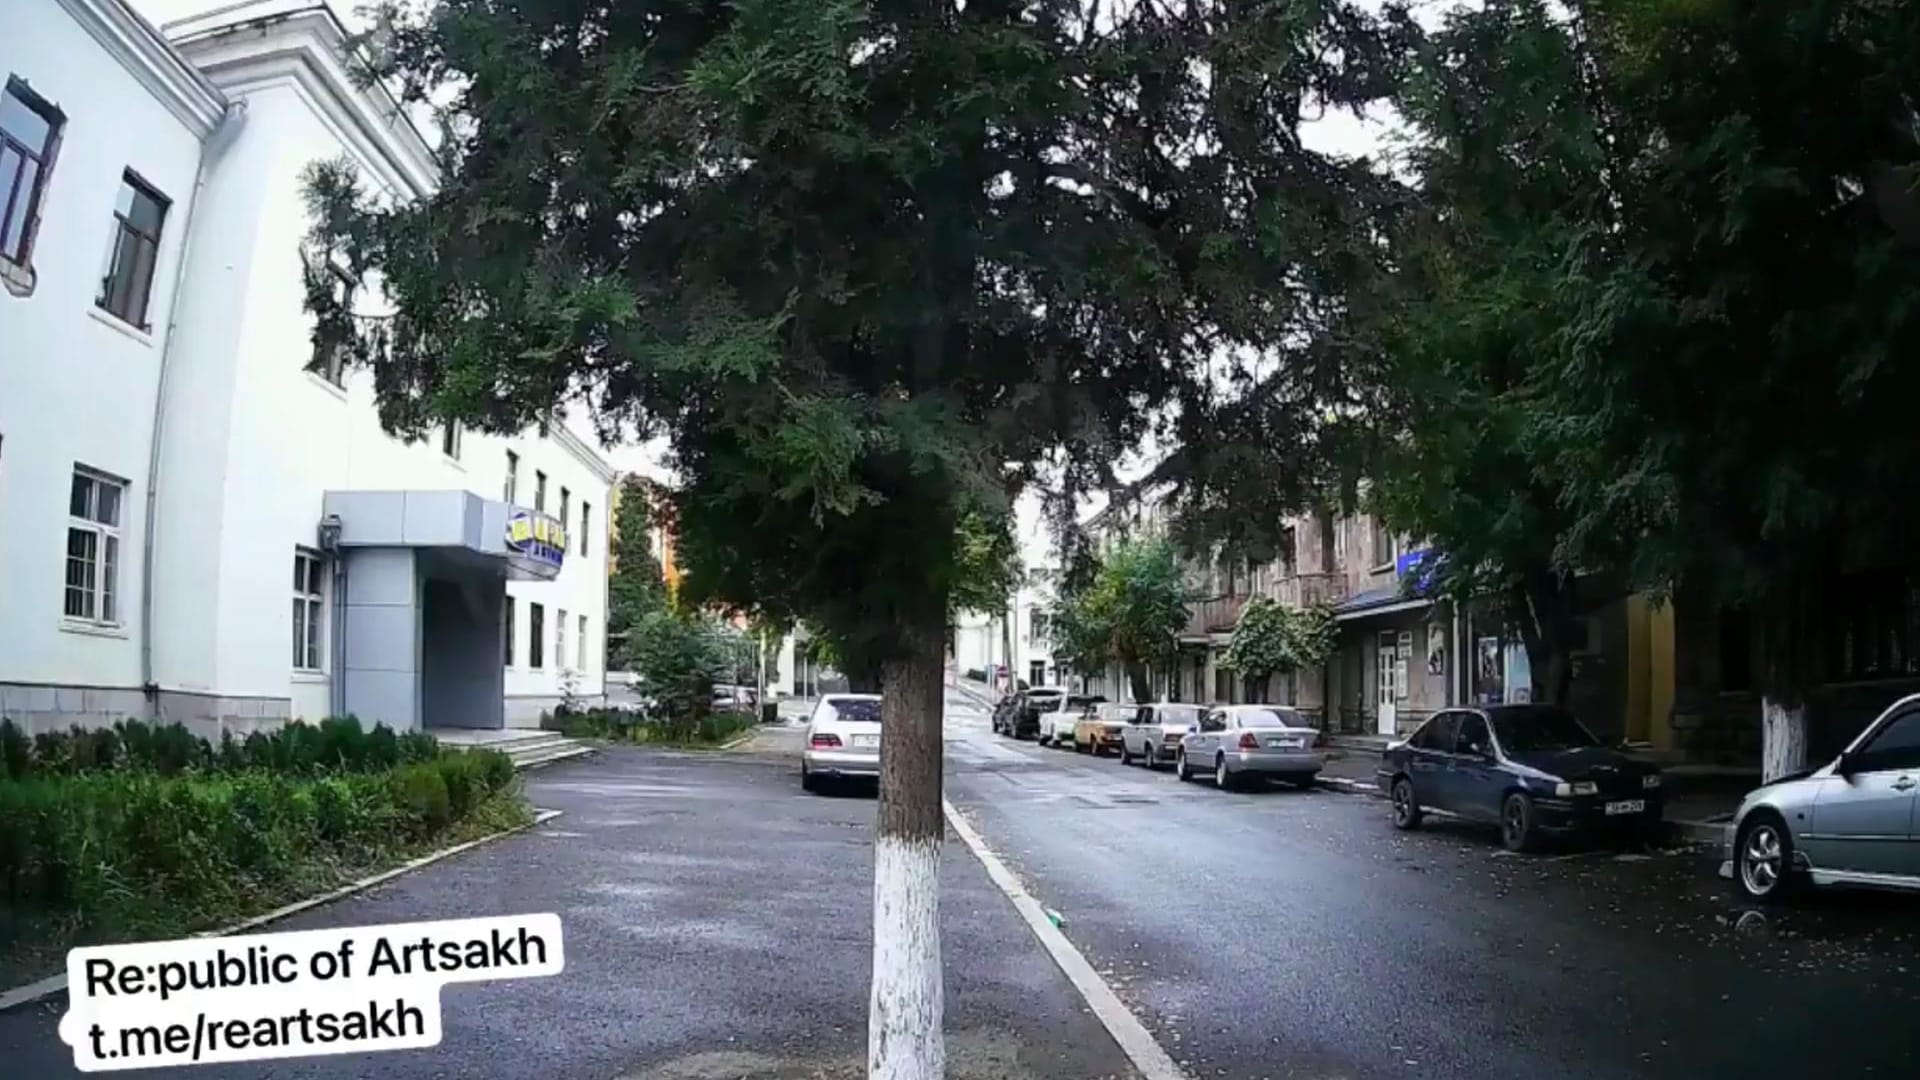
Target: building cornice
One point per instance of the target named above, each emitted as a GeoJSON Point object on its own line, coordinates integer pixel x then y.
{"type": "Point", "coordinates": [273, 41]}
{"type": "Point", "coordinates": [145, 53]}
{"type": "Point", "coordinates": [587, 455]}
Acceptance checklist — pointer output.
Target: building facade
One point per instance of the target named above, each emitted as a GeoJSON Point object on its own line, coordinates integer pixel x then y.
{"type": "Point", "coordinates": [221, 532]}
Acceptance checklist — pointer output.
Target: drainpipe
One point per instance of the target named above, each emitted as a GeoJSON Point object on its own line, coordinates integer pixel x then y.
{"type": "Point", "coordinates": [231, 119]}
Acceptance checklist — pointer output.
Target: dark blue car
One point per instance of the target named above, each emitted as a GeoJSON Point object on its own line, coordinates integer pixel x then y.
{"type": "Point", "coordinates": [1534, 770]}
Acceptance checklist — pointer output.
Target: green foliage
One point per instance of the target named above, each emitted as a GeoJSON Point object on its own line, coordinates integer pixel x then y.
{"type": "Point", "coordinates": [1274, 639]}
{"type": "Point", "coordinates": [625, 726]}
{"type": "Point", "coordinates": [636, 588]}
{"type": "Point", "coordinates": [680, 656]}
{"type": "Point", "coordinates": [296, 747]}
{"type": "Point", "coordinates": [864, 264]}
{"type": "Point", "coordinates": [1130, 613]}
{"type": "Point", "coordinates": [986, 561]}
{"type": "Point", "coordinates": [135, 849]}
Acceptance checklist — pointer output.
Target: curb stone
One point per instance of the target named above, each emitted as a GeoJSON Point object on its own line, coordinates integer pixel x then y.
{"type": "Point", "coordinates": [53, 984]}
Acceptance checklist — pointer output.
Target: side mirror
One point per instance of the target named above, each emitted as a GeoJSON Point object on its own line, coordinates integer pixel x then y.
{"type": "Point", "coordinates": [1843, 765]}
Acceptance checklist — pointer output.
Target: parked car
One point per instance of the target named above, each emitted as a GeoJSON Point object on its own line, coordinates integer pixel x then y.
{"type": "Point", "coordinates": [1534, 770]}
{"type": "Point", "coordinates": [1153, 731]}
{"type": "Point", "coordinates": [842, 740]}
{"type": "Point", "coordinates": [1098, 729]}
{"type": "Point", "coordinates": [1849, 822]}
{"type": "Point", "coordinates": [1056, 728]}
{"type": "Point", "coordinates": [1034, 704]}
{"type": "Point", "coordinates": [1237, 741]}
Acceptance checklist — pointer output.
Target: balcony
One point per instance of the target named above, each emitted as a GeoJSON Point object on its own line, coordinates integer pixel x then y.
{"type": "Point", "coordinates": [1214, 615]}
{"type": "Point", "coordinates": [1310, 590]}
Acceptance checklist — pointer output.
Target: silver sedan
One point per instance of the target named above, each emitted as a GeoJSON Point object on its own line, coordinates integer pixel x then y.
{"type": "Point", "coordinates": [1849, 822]}
{"type": "Point", "coordinates": [1153, 732]}
{"type": "Point", "coordinates": [1237, 741]}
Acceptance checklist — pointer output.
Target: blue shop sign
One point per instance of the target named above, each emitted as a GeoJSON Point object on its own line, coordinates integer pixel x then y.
{"type": "Point", "coordinates": [538, 542]}
{"type": "Point", "coordinates": [1417, 569]}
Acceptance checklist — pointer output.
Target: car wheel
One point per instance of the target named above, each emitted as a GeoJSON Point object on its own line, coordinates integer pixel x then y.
{"type": "Point", "coordinates": [1180, 770]}
{"type": "Point", "coordinates": [1304, 783]}
{"type": "Point", "coordinates": [1517, 831]}
{"type": "Point", "coordinates": [1763, 859]}
{"type": "Point", "coordinates": [807, 782]}
{"type": "Point", "coordinates": [1406, 809]}
{"type": "Point", "coordinates": [1150, 757]}
{"type": "Point", "coordinates": [1126, 753]}
{"type": "Point", "coordinates": [1222, 779]}
{"type": "Point", "coordinates": [1040, 739]}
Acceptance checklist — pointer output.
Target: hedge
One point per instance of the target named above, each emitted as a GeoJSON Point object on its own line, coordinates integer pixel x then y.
{"type": "Point", "coordinates": [141, 830]}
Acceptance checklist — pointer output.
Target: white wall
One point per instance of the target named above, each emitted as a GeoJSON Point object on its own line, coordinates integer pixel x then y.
{"type": "Point", "coordinates": [75, 384]}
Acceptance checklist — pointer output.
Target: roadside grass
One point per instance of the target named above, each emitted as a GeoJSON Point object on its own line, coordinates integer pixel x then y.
{"type": "Point", "coordinates": [148, 844]}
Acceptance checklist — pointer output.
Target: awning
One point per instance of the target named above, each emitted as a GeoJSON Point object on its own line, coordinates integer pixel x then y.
{"type": "Point", "coordinates": [1385, 600]}
{"type": "Point", "coordinates": [532, 545]}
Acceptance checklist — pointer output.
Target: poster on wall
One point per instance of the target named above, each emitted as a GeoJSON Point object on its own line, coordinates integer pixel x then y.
{"type": "Point", "coordinates": [1489, 672]}
{"type": "Point", "coordinates": [1402, 655]}
{"type": "Point", "coordinates": [1436, 649]}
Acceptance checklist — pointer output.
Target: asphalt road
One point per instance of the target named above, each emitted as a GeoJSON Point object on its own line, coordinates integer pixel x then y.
{"type": "Point", "coordinates": [718, 926]}
{"type": "Point", "coordinates": [1288, 933]}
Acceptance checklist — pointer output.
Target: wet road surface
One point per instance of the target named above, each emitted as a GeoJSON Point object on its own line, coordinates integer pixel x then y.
{"type": "Point", "coordinates": [1287, 933]}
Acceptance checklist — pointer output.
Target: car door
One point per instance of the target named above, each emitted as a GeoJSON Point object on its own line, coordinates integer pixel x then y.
{"type": "Point", "coordinates": [1475, 778]}
{"type": "Point", "coordinates": [1428, 755]}
{"type": "Point", "coordinates": [1863, 820]}
{"type": "Point", "coordinates": [1201, 744]}
{"type": "Point", "coordinates": [1136, 733]}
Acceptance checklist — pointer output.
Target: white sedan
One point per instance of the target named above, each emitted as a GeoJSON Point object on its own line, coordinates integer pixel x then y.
{"type": "Point", "coordinates": [843, 740]}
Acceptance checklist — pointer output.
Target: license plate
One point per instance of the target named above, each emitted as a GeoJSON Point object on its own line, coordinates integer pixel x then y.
{"type": "Point", "coordinates": [1287, 744]}
{"type": "Point", "coordinates": [866, 740]}
{"type": "Point", "coordinates": [1627, 806]}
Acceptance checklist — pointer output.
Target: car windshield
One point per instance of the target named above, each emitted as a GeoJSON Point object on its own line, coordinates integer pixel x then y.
{"type": "Point", "coordinates": [1270, 718]}
{"type": "Point", "coordinates": [1540, 727]}
{"type": "Point", "coordinates": [1081, 701]}
{"type": "Point", "coordinates": [1179, 714]}
{"type": "Point", "coordinates": [856, 710]}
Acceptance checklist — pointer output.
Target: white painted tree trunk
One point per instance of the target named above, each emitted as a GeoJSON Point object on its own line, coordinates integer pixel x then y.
{"type": "Point", "coordinates": [905, 1017]}
{"type": "Point", "coordinates": [905, 1038]}
{"type": "Point", "coordinates": [1783, 738]}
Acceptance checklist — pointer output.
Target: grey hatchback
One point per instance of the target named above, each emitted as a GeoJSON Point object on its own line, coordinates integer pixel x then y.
{"type": "Point", "coordinates": [1533, 769]}
{"type": "Point", "coordinates": [1849, 822]}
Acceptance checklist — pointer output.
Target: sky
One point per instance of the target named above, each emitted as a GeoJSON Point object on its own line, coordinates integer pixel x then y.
{"type": "Point", "coordinates": [1335, 133]}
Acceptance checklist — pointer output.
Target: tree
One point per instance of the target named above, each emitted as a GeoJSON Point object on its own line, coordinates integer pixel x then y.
{"type": "Point", "coordinates": [1272, 638]}
{"type": "Point", "coordinates": [1130, 613]}
{"type": "Point", "coordinates": [635, 589]}
{"type": "Point", "coordinates": [865, 264]}
{"type": "Point", "coordinates": [681, 656]}
{"type": "Point", "coordinates": [1734, 375]}
{"type": "Point", "coordinates": [1508, 161]}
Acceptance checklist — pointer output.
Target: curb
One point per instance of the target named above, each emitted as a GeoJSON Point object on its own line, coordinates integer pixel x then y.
{"type": "Point", "coordinates": [1132, 1036]}
{"type": "Point", "coordinates": [973, 695]}
{"type": "Point", "coordinates": [53, 984]}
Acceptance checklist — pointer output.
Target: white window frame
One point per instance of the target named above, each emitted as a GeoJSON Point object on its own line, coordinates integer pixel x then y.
{"type": "Point", "coordinates": [586, 514]}
{"type": "Point", "coordinates": [513, 478]}
{"type": "Point", "coordinates": [450, 439]}
{"type": "Point", "coordinates": [539, 491]}
{"type": "Point", "coordinates": [581, 644]}
{"type": "Point", "coordinates": [102, 589]}
{"type": "Point", "coordinates": [560, 639]}
{"type": "Point", "coordinates": [331, 359]}
{"type": "Point", "coordinates": [511, 618]}
{"type": "Point", "coordinates": [309, 612]}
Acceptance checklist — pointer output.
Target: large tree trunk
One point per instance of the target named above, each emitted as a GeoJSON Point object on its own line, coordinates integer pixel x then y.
{"type": "Point", "coordinates": [1006, 647]}
{"type": "Point", "coordinates": [1137, 682]}
{"type": "Point", "coordinates": [904, 1022]}
{"type": "Point", "coordinates": [1543, 607]}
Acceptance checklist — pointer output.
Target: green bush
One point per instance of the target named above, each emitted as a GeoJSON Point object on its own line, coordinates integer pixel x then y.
{"type": "Point", "coordinates": [120, 850]}
{"type": "Point", "coordinates": [337, 744]}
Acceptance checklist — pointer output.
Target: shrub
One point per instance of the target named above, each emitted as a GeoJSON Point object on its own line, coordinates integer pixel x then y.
{"type": "Point", "coordinates": [295, 748]}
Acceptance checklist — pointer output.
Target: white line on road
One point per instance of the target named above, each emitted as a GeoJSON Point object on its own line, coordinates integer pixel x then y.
{"type": "Point", "coordinates": [1135, 1040]}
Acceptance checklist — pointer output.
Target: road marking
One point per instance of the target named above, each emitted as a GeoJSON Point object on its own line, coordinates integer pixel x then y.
{"type": "Point", "coordinates": [1135, 1040]}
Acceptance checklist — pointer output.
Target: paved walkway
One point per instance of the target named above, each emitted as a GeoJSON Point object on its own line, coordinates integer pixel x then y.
{"type": "Point", "coordinates": [717, 926]}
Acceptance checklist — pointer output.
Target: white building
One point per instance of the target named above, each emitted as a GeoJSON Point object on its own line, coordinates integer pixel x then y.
{"type": "Point", "coordinates": [199, 527]}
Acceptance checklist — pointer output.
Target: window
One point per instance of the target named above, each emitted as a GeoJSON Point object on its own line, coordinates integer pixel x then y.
{"type": "Point", "coordinates": [330, 360]}
{"type": "Point", "coordinates": [560, 640]}
{"type": "Point", "coordinates": [1222, 684]}
{"type": "Point", "coordinates": [539, 490]}
{"type": "Point", "coordinates": [29, 131]}
{"type": "Point", "coordinates": [1036, 672]}
{"type": "Point", "coordinates": [308, 598]}
{"type": "Point", "coordinates": [1040, 627]}
{"type": "Point", "coordinates": [1473, 737]}
{"type": "Point", "coordinates": [566, 500]}
{"type": "Point", "coordinates": [127, 280]}
{"type": "Point", "coordinates": [586, 523]}
{"type": "Point", "coordinates": [1525, 728]}
{"type": "Point", "coordinates": [1895, 746]}
{"type": "Point", "coordinates": [513, 478]}
{"type": "Point", "coordinates": [450, 439]}
{"type": "Point", "coordinates": [93, 548]}
{"type": "Point", "coordinates": [581, 644]}
{"type": "Point", "coordinates": [536, 636]}
{"type": "Point", "coordinates": [1382, 544]}
{"type": "Point", "coordinates": [508, 646]}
